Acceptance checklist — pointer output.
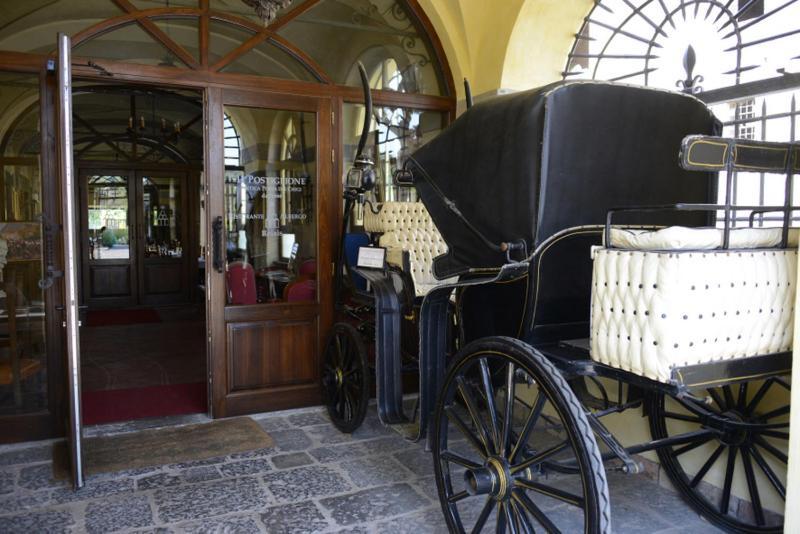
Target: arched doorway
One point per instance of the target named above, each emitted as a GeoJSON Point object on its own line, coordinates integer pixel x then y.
{"type": "Point", "coordinates": [277, 101]}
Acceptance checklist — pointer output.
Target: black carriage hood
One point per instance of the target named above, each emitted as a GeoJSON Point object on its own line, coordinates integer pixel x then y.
{"type": "Point", "coordinates": [529, 164]}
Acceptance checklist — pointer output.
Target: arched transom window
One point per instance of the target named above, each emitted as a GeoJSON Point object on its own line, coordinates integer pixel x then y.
{"type": "Point", "coordinates": [742, 57]}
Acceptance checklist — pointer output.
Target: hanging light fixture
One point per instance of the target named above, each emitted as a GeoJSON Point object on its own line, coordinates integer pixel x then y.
{"type": "Point", "coordinates": [267, 10]}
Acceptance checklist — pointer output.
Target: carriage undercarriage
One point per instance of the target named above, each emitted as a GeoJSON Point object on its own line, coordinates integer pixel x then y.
{"type": "Point", "coordinates": [522, 427]}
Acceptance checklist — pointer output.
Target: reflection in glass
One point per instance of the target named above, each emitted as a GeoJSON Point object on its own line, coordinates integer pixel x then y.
{"type": "Point", "coordinates": [23, 351]}
{"type": "Point", "coordinates": [395, 134]}
{"type": "Point", "coordinates": [107, 206]}
{"type": "Point", "coordinates": [270, 207]}
{"type": "Point", "coordinates": [161, 204]}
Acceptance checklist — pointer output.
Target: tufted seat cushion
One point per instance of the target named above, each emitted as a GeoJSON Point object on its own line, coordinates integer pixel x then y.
{"type": "Point", "coordinates": [407, 226]}
{"type": "Point", "coordinates": [653, 311]}
{"type": "Point", "coordinates": [683, 238]}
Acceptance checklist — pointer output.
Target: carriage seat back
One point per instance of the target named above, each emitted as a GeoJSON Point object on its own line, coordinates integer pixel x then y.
{"type": "Point", "coordinates": [406, 226]}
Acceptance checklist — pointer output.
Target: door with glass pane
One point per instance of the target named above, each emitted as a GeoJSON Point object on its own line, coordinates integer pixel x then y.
{"type": "Point", "coordinates": [270, 209]}
{"type": "Point", "coordinates": [108, 240]}
{"type": "Point", "coordinates": [163, 237]}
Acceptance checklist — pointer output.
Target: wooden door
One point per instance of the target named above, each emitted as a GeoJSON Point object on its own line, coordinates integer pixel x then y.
{"type": "Point", "coordinates": [108, 238]}
{"type": "Point", "coordinates": [270, 264]}
{"type": "Point", "coordinates": [164, 237]}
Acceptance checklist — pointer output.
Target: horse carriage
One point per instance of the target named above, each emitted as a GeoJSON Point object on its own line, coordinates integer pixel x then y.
{"type": "Point", "coordinates": [588, 276]}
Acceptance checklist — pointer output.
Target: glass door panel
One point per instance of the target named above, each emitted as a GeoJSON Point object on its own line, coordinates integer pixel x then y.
{"type": "Point", "coordinates": [270, 208]}
{"type": "Point", "coordinates": [23, 341]}
{"type": "Point", "coordinates": [109, 221]}
{"type": "Point", "coordinates": [164, 241]}
{"type": "Point", "coordinates": [108, 239]}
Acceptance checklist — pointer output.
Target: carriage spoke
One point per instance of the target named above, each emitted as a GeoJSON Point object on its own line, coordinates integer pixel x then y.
{"type": "Point", "coordinates": [500, 524]}
{"type": "Point", "coordinates": [534, 511]}
{"type": "Point", "coordinates": [460, 496]}
{"type": "Point", "coordinates": [490, 403]}
{"type": "Point", "coordinates": [487, 510]}
{"type": "Point", "coordinates": [512, 525]}
{"type": "Point", "coordinates": [772, 449]}
{"type": "Point", "coordinates": [682, 417]}
{"type": "Point", "coordinates": [729, 402]}
{"type": "Point", "coordinates": [522, 517]}
{"type": "Point", "coordinates": [776, 413]}
{"type": "Point", "coordinates": [508, 419]}
{"type": "Point", "coordinates": [530, 423]}
{"type": "Point", "coordinates": [717, 399]}
{"type": "Point", "coordinates": [539, 458]}
{"type": "Point", "coordinates": [706, 466]}
{"type": "Point", "coordinates": [555, 493]}
{"type": "Point", "coordinates": [454, 458]}
{"type": "Point", "coordinates": [759, 394]}
{"type": "Point", "coordinates": [693, 445]}
{"type": "Point", "coordinates": [462, 426]}
{"type": "Point", "coordinates": [775, 434]}
{"type": "Point", "coordinates": [728, 484]}
{"type": "Point", "coordinates": [768, 472]}
{"type": "Point", "coordinates": [752, 487]}
{"type": "Point", "coordinates": [740, 405]}
{"type": "Point", "coordinates": [472, 408]}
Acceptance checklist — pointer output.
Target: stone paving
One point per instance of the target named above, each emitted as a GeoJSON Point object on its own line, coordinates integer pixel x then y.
{"type": "Point", "coordinates": [314, 479]}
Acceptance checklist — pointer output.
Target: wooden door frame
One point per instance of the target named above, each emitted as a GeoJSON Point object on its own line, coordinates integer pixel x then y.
{"type": "Point", "coordinates": [133, 248]}
{"type": "Point", "coordinates": [225, 402]}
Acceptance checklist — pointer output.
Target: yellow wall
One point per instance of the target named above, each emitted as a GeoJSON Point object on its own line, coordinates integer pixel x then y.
{"type": "Point", "coordinates": [507, 44]}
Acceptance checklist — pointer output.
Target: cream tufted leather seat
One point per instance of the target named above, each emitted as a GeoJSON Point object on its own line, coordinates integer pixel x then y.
{"type": "Point", "coordinates": [671, 298]}
{"type": "Point", "coordinates": [408, 226]}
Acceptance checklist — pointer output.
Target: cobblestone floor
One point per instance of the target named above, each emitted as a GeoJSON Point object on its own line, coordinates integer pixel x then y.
{"type": "Point", "coordinates": [313, 480]}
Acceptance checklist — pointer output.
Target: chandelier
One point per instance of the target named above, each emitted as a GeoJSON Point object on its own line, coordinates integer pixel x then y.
{"type": "Point", "coordinates": [267, 10]}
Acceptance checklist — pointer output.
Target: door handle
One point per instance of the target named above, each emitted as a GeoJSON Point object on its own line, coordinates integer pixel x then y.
{"type": "Point", "coordinates": [216, 239]}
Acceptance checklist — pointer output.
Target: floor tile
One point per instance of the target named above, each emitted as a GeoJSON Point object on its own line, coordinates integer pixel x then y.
{"type": "Point", "coordinates": [367, 505]}
{"type": "Point", "coordinates": [245, 467]}
{"type": "Point", "coordinates": [111, 515]}
{"type": "Point", "coordinates": [294, 459]}
{"type": "Point", "coordinates": [296, 518]}
{"type": "Point", "coordinates": [226, 525]}
{"type": "Point", "coordinates": [374, 471]}
{"type": "Point", "coordinates": [209, 499]}
{"type": "Point", "coordinates": [305, 483]}
{"type": "Point", "coordinates": [50, 522]}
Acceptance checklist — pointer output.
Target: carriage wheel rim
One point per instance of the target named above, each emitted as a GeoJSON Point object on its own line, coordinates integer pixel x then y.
{"type": "Point", "coordinates": [744, 446]}
{"type": "Point", "coordinates": [507, 477]}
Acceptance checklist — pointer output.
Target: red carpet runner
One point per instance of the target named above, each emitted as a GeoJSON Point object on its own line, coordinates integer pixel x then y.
{"type": "Point", "coordinates": [116, 405]}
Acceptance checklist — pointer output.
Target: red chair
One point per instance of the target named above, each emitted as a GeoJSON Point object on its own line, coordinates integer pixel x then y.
{"type": "Point", "coordinates": [308, 269]}
{"type": "Point", "coordinates": [241, 280]}
{"type": "Point", "coordinates": [301, 290]}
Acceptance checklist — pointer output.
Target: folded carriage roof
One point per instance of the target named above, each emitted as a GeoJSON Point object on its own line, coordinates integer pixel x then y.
{"type": "Point", "coordinates": [527, 165]}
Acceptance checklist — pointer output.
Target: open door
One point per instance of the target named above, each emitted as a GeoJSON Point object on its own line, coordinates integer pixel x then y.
{"type": "Point", "coordinates": [271, 221]}
{"type": "Point", "coordinates": [69, 213]}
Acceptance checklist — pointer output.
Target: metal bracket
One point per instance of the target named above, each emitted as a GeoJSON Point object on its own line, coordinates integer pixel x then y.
{"type": "Point", "coordinates": [630, 466]}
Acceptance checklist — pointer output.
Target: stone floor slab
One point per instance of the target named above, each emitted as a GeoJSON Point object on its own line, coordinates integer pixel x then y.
{"type": "Point", "coordinates": [111, 515]}
{"type": "Point", "coordinates": [375, 503]}
{"type": "Point", "coordinates": [209, 499]}
{"type": "Point", "coordinates": [296, 518]}
{"type": "Point", "coordinates": [44, 522]}
{"type": "Point", "coordinates": [305, 483]}
{"type": "Point", "coordinates": [295, 459]}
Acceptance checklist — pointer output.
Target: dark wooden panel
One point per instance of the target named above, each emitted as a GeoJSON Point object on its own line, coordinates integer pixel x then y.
{"type": "Point", "coordinates": [271, 354]}
{"type": "Point", "coordinates": [163, 278]}
{"type": "Point", "coordinates": [110, 280]}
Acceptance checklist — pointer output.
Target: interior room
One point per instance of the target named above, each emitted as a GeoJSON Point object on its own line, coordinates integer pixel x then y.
{"type": "Point", "coordinates": [399, 265]}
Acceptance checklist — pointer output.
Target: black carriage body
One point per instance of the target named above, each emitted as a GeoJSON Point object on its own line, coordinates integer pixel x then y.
{"type": "Point", "coordinates": [529, 165]}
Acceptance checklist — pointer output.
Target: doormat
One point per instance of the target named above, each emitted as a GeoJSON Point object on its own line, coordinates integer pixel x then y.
{"type": "Point", "coordinates": [162, 446]}
{"type": "Point", "coordinates": [122, 317]}
{"type": "Point", "coordinates": [115, 405]}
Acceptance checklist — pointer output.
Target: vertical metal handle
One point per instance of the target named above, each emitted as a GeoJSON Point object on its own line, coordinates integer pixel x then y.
{"type": "Point", "coordinates": [216, 242]}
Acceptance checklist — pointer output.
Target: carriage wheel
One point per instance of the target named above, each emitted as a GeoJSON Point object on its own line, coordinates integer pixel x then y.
{"type": "Point", "coordinates": [345, 378]}
{"type": "Point", "coordinates": [749, 444]}
{"type": "Point", "coordinates": [541, 471]}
